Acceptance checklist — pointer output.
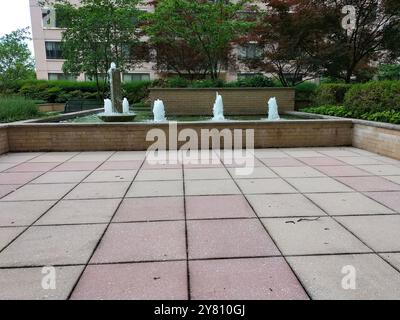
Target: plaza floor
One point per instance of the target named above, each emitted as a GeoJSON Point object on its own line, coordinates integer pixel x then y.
{"type": "Point", "coordinates": [114, 226]}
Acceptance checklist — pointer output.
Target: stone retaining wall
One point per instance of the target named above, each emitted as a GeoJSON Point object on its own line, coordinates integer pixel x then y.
{"type": "Point", "coordinates": [237, 101]}
{"type": "Point", "coordinates": [132, 136]}
{"type": "Point", "coordinates": [3, 139]}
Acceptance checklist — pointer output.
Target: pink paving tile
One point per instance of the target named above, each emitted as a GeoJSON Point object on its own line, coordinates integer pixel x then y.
{"type": "Point", "coordinates": [145, 209]}
{"type": "Point", "coordinates": [120, 165]}
{"type": "Point", "coordinates": [34, 167]}
{"type": "Point", "coordinates": [389, 199]}
{"type": "Point", "coordinates": [129, 242]}
{"type": "Point", "coordinates": [18, 177]}
{"type": "Point", "coordinates": [369, 183]}
{"type": "Point", "coordinates": [77, 166]}
{"type": "Point", "coordinates": [22, 213]}
{"type": "Point", "coordinates": [162, 165]}
{"type": "Point", "coordinates": [322, 161]}
{"type": "Point", "coordinates": [342, 171]}
{"type": "Point", "coordinates": [138, 281]}
{"type": "Point", "coordinates": [9, 234]}
{"type": "Point", "coordinates": [229, 238]}
{"type": "Point", "coordinates": [282, 162]}
{"type": "Point", "coordinates": [6, 189]}
{"type": "Point", "coordinates": [230, 206]}
{"type": "Point", "coordinates": [244, 279]}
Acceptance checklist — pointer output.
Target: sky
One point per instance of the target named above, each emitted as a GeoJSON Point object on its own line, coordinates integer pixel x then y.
{"type": "Point", "coordinates": [14, 14]}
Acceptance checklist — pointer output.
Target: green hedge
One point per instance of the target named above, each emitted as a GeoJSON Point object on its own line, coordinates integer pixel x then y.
{"type": "Point", "coordinates": [374, 96]}
{"type": "Point", "coordinates": [13, 108]}
{"type": "Point", "coordinates": [389, 116]}
{"type": "Point", "coordinates": [305, 91]}
{"type": "Point", "coordinates": [330, 94]}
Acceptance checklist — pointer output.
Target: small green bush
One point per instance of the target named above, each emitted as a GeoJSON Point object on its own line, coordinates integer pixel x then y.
{"type": "Point", "coordinates": [208, 83]}
{"type": "Point", "coordinates": [136, 91]}
{"type": "Point", "coordinates": [389, 72]}
{"type": "Point", "coordinates": [258, 81]}
{"type": "Point", "coordinates": [374, 96]}
{"type": "Point", "coordinates": [176, 82]}
{"type": "Point", "coordinates": [389, 116]}
{"type": "Point", "coordinates": [330, 94]}
{"type": "Point", "coordinates": [305, 91]}
{"type": "Point", "coordinates": [14, 108]}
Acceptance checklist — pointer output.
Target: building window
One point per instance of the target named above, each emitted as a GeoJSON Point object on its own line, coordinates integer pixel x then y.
{"type": "Point", "coordinates": [49, 18]}
{"type": "Point", "coordinates": [130, 77]}
{"type": "Point", "coordinates": [53, 50]}
{"type": "Point", "coordinates": [61, 76]}
{"type": "Point", "coordinates": [249, 51]}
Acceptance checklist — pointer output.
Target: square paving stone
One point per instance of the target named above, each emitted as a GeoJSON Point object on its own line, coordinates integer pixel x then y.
{"type": "Point", "coordinates": [92, 156]}
{"type": "Point", "coordinates": [342, 171]}
{"type": "Point", "coordinates": [348, 204]}
{"type": "Point", "coordinates": [282, 162]}
{"type": "Point", "coordinates": [324, 184]}
{"type": "Point", "coordinates": [270, 153]}
{"type": "Point", "coordinates": [157, 174]}
{"type": "Point", "coordinates": [304, 153]}
{"type": "Point", "coordinates": [6, 165]}
{"type": "Point", "coordinates": [147, 209]}
{"type": "Point", "coordinates": [22, 213]}
{"type": "Point", "coordinates": [244, 279]}
{"type": "Point", "coordinates": [40, 192]}
{"type": "Point", "coordinates": [296, 236]}
{"type": "Point", "coordinates": [111, 176]}
{"type": "Point", "coordinates": [206, 174]}
{"type": "Point", "coordinates": [322, 277]}
{"type": "Point", "coordinates": [26, 283]}
{"type": "Point", "coordinates": [322, 161]}
{"type": "Point", "coordinates": [389, 199]}
{"type": "Point", "coordinates": [80, 211]}
{"type": "Point", "coordinates": [120, 165]}
{"type": "Point", "coordinates": [7, 188]}
{"type": "Point", "coordinates": [17, 177]}
{"type": "Point", "coordinates": [131, 242]}
{"type": "Point", "coordinates": [255, 173]}
{"type": "Point", "coordinates": [34, 167]}
{"type": "Point", "coordinates": [297, 172]}
{"type": "Point", "coordinates": [77, 166]}
{"type": "Point", "coordinates": [62, 177]}
{"type": "Point", "coordinates": [18, 157]}
{"type": "Point", "coordinates": [128, 156]}
{"type": "Point", "coordinates": [359, 160]}
{"type": "Point", "coordinates": [370, 184]}
{"type": "Point", "coordinates": [39, 246]}
{"type": "Point", "coordinates": [161, 165]}
{"type": "Point", "coordinates": [210, 187]}
{"type": "Point", "coordinates": [141, 189]}
{"type": "Point", "coordinates": [395, 179]}
{"type": "Point", "coordinates": [382, 233]}
{"type": "Point", "coordinates": [392, 258]}
{"type": "Point", "coordinates": [259, 186]}
{"type": "Point", "coordinates": [9, 234]}
{"type": "Point", "coordinates": [283, 205]}
{"type": "Point", "coordinates": [381, 170]}
{"type": "Point", "coordinates": [229, 238]}
{"type": "Point", "coordinates": [338, 152]}
{"type": "Point", "coordinates": [135, 281]}
{"type": "Point", "coordinates": [106, 190]}
{"type": "Point", "coordinates": [54, 157]}
{"type": "Point", "coordinates": [229, 206]}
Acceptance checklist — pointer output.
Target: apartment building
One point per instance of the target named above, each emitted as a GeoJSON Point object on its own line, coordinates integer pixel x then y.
{"type": "Point", "coordinates": [47, 35]}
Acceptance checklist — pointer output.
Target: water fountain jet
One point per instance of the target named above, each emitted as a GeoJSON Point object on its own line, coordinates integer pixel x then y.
{"type": "Point", "coordinates": [218, 109]}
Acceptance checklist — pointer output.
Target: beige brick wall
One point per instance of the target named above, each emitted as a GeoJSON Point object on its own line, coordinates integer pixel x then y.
{"type": "Point", "coordinates": [80, 137]}
{"type": "Point", "coordinates": [384, 141]}
{"type": "Point", "coordinates": [3, 139]}
{"type": "Point", "coordinates": [237, 101]}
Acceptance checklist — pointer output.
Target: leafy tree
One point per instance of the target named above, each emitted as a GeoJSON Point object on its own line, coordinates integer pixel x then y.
{"type": "Point", "coordinates": [375, 37]}
{"type": "Point", "coordinates": [289, 35]}
{"type": "Point", "coordinates": [389, 72]}
{"type": "Point", "coordinates": [16, 62]}
{"type": "Point", "coordinates": [195, 36]}
{"type": "Point", "coordinates": [97, 33]}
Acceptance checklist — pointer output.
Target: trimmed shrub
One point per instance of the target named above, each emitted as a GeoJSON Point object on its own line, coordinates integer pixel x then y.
{"type": "Point", "coordinates": [305, 91]}
{"type": "Point", "coordinates": [374, 96]}
{"type": "Point", "coordinates": [390, 116]}
{"type": "Point", "coordinates": [330, 94]}
{"type": "Point", "coordinates": [176, 82]}
{"type": "Point", "coordinates": [208, 83]}
{"type": "Point", "coordinates": [14, 108]}
{"type": "Point", "coordinates": [137, 91]}
{"type": "Point", "coordinates": [252, 82]}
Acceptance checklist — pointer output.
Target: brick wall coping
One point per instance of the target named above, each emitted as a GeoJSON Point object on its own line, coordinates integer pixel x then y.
{"type": "Point", "coordinates": [376, 124]}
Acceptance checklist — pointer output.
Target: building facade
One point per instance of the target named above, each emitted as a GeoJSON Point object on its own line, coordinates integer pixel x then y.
{"type": "Point", "coordinates": [47, 35]}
